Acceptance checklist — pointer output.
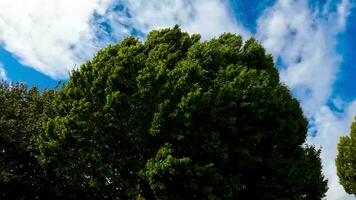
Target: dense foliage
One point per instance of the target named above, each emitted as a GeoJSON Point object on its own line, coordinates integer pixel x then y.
{"type": "Point", "coordinates": [21, 111]}
{"type": "Point", "coordinates": [173, 117]}
{"type": "Point", "coordinates": [346, 161]}
{"type": "Point", "coordinates": [177, 118]}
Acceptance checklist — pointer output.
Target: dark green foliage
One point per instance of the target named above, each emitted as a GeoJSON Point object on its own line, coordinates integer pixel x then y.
{"type": "Point", "coordinates": [21, 176]}
{"type": "Point", "coordinates": [177, 118]}
{"type": "Point", "coordinates": [346, 161]}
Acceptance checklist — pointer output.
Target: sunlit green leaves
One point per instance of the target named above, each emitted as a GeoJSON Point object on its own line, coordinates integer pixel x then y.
{"type": "Point", "coordinates": [346, 161]}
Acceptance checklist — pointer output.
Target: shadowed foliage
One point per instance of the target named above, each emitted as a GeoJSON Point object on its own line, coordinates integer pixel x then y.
{"type": "Point", "coordinates": [21, 113]}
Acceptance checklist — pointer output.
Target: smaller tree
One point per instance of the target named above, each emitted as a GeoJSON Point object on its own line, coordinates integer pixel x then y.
{"type": "Point", "coordinates": [21, 111]}
{"type": "Point", "coordinates": [346, 161]}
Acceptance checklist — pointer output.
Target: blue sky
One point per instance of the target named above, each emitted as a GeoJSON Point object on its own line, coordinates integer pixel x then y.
{"type": "Point", "coordinates": [345, 85]}
{"type": "Point", "coordinates": [17, 72]}
{"type": "Point", "coordinates": [312, 42]}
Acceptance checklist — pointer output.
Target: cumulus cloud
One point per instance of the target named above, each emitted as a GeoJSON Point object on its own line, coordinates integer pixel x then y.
{"type": "Point", "coordinates": [50, 36]}
{"type": "Point", "coordinates": [54, 36]}
{"type": "Point", "coordinates": [303, 41]}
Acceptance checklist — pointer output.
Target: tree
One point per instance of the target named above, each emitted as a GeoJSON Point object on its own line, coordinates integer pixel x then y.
{"type": "Point", "coordinates": [346, 161]}
{"type": "Point", "coordinates": [21, 110]}
{"type": "Point", "coordinates": [177, 118]}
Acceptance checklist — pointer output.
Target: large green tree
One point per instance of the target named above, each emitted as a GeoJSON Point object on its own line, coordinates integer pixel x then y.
{"type": "Point", "coordinates": [21, 113]}
{"type": "Point", "coordinates": [179, 118]}
{"type": "Point", "coordinates": [346, 161]}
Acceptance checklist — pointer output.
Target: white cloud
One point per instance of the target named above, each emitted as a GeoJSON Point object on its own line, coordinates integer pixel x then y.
{"type": "Point", "coordinates": [343, 11]}
{"type": "Point", "coordinates": [208, 17]}
{"type": "Point", "coordinates": [50, 36]}
{"type": "Point", "coordinates": [304, 41]}
{"type": "Point", "coordinates": [306, 45]}
{"type": "Point", "coordinates": [3, 76]}
{"type": "Point", "coordinates": [54, 36]}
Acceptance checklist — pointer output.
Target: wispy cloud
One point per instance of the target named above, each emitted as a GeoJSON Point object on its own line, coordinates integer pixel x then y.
{"type": "Point", "coordinates": [206, 17]}
{"type": "Point", "coordinates": [303, 41]}
{"type": "Point", "coordinates": [3, 75]}
{"type": "Point", "coordinates": [343, 11]}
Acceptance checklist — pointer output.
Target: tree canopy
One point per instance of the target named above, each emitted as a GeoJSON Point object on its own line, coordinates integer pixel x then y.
{"type": "Point", "coordinates": [175, 117]}
{"type": "Point", "coordinates": [346, 161]}
{"type": "Point", "coordinates": [21, 113]}
{"type": "Point", "coordinates": [172, 117]}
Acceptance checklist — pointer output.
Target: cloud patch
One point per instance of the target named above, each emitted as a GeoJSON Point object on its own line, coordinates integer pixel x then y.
{"type": "Point", "coordinates": [3, 76]}
{"type": "Point", "coordinates": [303, 41]}
{"type": "Point", "coordinates": [209, 18]}
{"type": "Point", "coordinates": [55, 36]}
{"type": "Point", "coordinates": [50, 36]}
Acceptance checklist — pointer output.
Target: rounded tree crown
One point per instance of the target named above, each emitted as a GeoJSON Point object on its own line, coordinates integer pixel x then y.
{"type": "Point", "coordinates": [178, 118]}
